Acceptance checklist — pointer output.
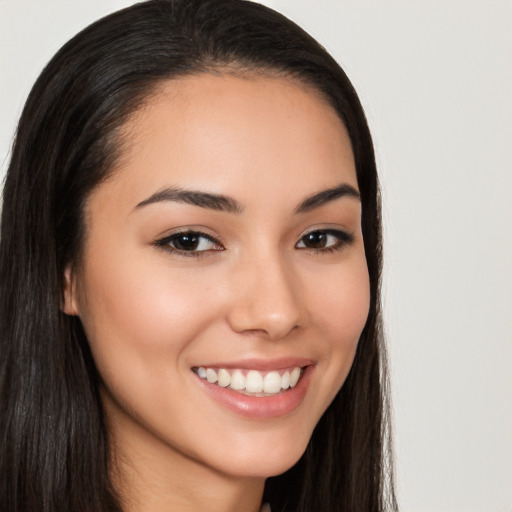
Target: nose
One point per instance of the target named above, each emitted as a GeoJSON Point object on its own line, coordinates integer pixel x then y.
{"type": "Point", "coordinates": [266, 299]}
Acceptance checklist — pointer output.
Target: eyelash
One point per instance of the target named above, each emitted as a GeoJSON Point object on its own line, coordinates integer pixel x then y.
{"type": "Point", "coordinates": [343, 239]}
{"type": "Point", "coordinates": [165, 243]}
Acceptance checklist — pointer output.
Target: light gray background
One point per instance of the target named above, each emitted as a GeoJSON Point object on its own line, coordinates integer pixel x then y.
{"type": "Point", "coordinates": [436, 81]}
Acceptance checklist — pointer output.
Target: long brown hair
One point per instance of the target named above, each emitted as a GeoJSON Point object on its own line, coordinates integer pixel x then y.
{"type": "Point", "coordinates": [53, 440]}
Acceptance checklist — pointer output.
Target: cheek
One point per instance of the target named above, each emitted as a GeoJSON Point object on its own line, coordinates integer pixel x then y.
{"type": "Point", "coordinates": [138, 315]}
{"type": "Point", "coordinates": [341, 309]}
{"type": "Point", "coordinates": [343, 302]}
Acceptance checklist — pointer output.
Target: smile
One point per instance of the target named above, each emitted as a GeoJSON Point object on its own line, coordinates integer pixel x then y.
{"type": "Point", "coordinates": [251, 382]}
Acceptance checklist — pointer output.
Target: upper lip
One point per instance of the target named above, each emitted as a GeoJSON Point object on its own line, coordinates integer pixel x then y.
{"type": "Point", "coordinates": [261, 364]}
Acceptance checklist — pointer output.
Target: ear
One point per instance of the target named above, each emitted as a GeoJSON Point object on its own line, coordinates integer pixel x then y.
{"type": "Point", "coordinates": [69, 302]}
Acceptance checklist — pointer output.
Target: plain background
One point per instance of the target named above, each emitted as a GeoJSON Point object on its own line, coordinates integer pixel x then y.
{"type": "Point", "coordinates": [436, 81]}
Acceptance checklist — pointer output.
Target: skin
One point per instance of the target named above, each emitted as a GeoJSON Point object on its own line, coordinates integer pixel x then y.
{"type": "Point", "coordinates": [151, 315]}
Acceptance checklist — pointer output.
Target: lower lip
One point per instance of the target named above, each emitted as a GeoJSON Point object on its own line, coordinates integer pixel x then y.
{"type": "Point", "coordinates": [260, 407]}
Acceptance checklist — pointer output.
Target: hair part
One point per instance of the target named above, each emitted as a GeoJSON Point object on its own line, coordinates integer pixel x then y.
{"type": "Point", "coordinates": [53, 437]}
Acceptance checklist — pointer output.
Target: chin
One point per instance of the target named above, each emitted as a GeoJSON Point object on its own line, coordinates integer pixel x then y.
{"type": "Point", "coordinates": [263, 461]}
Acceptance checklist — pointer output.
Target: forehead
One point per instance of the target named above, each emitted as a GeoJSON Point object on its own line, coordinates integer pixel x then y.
{"type": "Point", "coordinates": [235, 134]}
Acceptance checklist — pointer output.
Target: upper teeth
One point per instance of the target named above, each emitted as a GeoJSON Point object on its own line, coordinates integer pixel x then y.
{"type": "Point", "coordinates": [251, 381]}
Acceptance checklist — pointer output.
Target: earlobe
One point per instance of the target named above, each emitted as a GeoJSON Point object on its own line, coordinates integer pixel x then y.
{"type": "Point", "coordinates": [69, 303]}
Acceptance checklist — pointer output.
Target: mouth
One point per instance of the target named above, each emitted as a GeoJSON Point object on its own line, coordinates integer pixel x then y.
{"type": "Point", "coordinates": [250, 382]}
{"type": "Point", "coordinates": [258, 389]}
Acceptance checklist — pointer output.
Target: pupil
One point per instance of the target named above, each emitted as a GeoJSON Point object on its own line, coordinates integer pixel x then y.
{"type": "Point", "coordinates": [315, 240]}
{"type": "Point", "coordinates": [186, 242]}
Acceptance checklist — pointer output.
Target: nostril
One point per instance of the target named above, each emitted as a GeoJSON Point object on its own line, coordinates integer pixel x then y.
{"type": "Point", "coordinates": [267, 303]}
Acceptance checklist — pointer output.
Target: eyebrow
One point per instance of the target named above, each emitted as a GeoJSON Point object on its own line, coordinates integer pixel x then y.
{"type": "Point", "coordinates": [203, 199]}
{"type": "Point", "coordinates": [326, 196]}
{"type": "Point", "coordinates": [227, 204]}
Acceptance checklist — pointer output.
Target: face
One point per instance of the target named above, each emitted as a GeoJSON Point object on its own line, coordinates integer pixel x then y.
{"type": "Point", "coordinates": [223, 285]}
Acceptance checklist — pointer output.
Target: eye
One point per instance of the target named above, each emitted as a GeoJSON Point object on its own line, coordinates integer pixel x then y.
{"type": "Point", "coordinates": [191, 242]}
{"type": "Point", "coordinates": [325, 240]}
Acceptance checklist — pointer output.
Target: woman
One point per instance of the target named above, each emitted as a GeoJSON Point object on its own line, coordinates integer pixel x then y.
{"type": "Point", "coordinates": [190, 268]}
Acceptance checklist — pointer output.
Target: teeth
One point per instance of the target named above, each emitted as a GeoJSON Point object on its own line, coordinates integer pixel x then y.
{"type": "Point", "coordinates": [253, 381]}
{"type": "Point", "coordinates": [272, 383]}
{"type": "Point", "coordinates": [211, 375]}
{"type": "Point", "coordinates": [224, 378]}
{"type": "Point", "coordinates": [294, 377]}
{"type": "Point", "coordinates": [237, 380]}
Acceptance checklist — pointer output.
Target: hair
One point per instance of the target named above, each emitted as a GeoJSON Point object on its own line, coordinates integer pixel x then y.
{"type": "Point", "coordinates": [53, 438]}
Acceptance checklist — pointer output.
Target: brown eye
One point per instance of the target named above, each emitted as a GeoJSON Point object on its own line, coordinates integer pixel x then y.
{"type": "Point", "coordinates": [189, 241]}
{"type": "Point", "coordinates": [315, 240]}
{"type": "Point", "coordinates": [322, 239]}
{"type": "Point", "coordinates": [186, 242]}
